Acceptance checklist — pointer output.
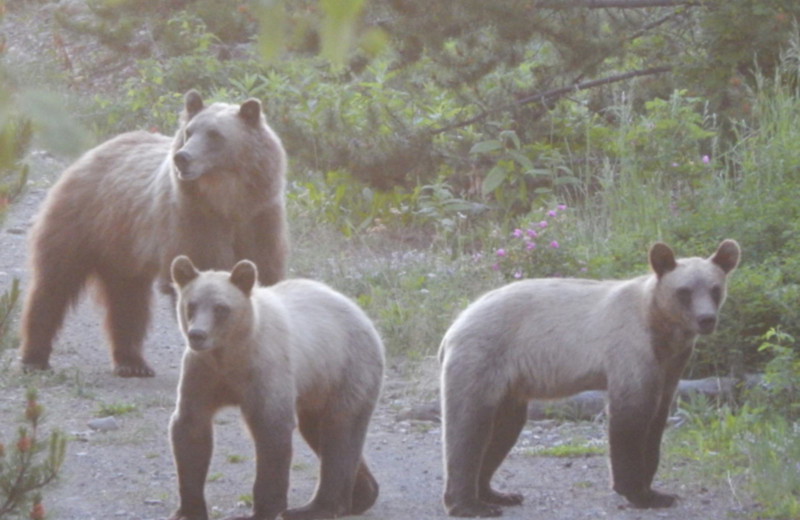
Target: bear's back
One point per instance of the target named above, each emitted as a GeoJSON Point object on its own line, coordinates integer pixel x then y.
{"type": "Point", "coordinates": [334, 347]}
{"type": "Point", "coordinates": [534, 330]}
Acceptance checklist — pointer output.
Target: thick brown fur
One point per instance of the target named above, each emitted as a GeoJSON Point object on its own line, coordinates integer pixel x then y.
{"type": "Point", "coordinates": [551, 338]}
{"type": "Point", "coordinates": [295, 349]}
{"type": "Point", "coordinates": [126, 208]}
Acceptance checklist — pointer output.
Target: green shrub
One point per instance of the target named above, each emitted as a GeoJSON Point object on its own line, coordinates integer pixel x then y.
{"type": "Point", "coordinates": [756, 442]}
{"type": "Point", "coordinates": [539, 247]}
{"type": "Point", "coordinates": [21, 473]}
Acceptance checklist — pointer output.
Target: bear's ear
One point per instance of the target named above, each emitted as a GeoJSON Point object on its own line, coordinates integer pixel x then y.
{"type": "Point", "coordinates": [244, 276]}
{"type": "Point", "coordinates": [250, 111]}
{"type": "Point", "coordinates": [662, 259]}
{"type": "Point", "coordinates": [192, 103]}
{"type": "Point", "coordinates": [183, 270]}
{"type": "Point", "coordinates": [727, 255]}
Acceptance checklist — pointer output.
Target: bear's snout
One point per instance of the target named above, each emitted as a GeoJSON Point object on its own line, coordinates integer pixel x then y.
{"type": "Point", "coordinates": [197, 339]}
{"type": "Point", "coordinates": [182, 162]}
{"type": "Point", "coordinates": [707, 323]}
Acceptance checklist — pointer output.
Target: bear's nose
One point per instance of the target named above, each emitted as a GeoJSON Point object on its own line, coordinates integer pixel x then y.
{"type": "Point", "coordinates": [707, 324]}
{"type": "Point", "coordinates": [182, 160]}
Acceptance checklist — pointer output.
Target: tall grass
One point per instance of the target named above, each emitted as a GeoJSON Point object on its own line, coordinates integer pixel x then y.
{"type": "Point", "coordinates": [637, 172]}
{"type": "Point", "coordinates": [766, 154]}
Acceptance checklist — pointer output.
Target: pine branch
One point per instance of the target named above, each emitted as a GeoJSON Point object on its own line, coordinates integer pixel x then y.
{"type": "Point", "coordinates": [551, 95]}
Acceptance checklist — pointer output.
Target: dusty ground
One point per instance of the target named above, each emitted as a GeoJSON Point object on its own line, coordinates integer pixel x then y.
{"type": "Point", "coordinates": [128, 473]}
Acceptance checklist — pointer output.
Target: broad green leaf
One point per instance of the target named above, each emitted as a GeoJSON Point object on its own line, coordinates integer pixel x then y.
{"type": "Point", "coordinates": [522, 160]}
{"type": "Point", "coordinates": [486, 146]}
{"type": "Point", "coordinates": [493, 180]}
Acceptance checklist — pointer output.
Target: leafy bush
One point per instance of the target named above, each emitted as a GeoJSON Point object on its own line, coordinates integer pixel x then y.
{"type": "Point", "coordinates": [757, 442]}
{"type": "Point", "coordinates": [539, 248]}
{"type": "Point", "coordinates": [779, 392]}
{"type": "Point", "coordinates": [402, 144]}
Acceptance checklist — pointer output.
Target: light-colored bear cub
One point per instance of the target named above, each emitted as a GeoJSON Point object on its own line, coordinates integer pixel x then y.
{"type": "Point", "coordinates": [551, 338]}
{"type": "Point", "coordinates": [295, 349]}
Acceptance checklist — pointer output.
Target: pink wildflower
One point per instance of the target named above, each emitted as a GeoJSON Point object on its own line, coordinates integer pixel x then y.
{"type": "Point", "coordinates": [551, 213]}
{"type": "Point", "coordinates": [561, 207]}
{"type": "Point", "coordinates": [495, 267]}
{"type": "Point", "coordinates": [706, 159]}
{"type": "Point", "coordinates": [554, 244]}
{"type": "Point", "coordinates": [516, 233]}
{"type": "Point", "coordinates": [532, 233]}
{"type": "Point", "coordinates": [517, 274]}
{"type": "Point", "coordinates": [543, 224]}
{"type": "Point", "coordinates": [501, 252]}
{"type": "Point", "coordinates": [529, 246]}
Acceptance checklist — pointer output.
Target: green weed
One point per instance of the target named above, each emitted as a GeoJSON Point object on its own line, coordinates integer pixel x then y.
{"type": "Point", "coordinates": [572, 449]}
{"type": "Point", "coordinates": [235, 459]}
{"type": "Point", "coordinates": [115, 409]}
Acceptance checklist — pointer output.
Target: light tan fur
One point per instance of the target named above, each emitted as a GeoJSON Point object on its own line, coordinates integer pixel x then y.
{"type": "Point", "coordinates": [297, 351]}
{"type": "Point", "coordinates": [126, 208]}
{"type": "Point", "coordinates": [551, 338]}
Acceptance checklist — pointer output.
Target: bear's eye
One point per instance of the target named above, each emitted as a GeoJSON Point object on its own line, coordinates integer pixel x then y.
{"type": "Point", "coordinates": [214, 135]}
{"type": "Point", "coordinates": [191, 308]}
{"type": "Point", "coordinates": [684, 296]}
{"type": "Point", "coordinates": [716, 294]}
{"type": "Point", "coordinates": [221, 311]}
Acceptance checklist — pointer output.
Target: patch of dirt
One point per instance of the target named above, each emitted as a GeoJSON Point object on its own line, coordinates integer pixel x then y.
{"type": "Point", "coordinates": [128, 473]}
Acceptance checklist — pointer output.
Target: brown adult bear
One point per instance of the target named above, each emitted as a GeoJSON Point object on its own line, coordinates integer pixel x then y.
{"type": "Point", "coordinates": [551, 338]}
{"type": "Point", "coordinates": [126, 208]}
{"type": "Point", "coordinates": [295, 349]}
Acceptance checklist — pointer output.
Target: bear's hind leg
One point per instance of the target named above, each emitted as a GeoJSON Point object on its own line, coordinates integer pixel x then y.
{"type": "Point", "coordinates": [127, 303]}
{"type": "Point", "coordinates": [365, 489]}
{"type": "Point", "coordinates": [467, 429]}
{"type": "Point", "coordinates": [337, 438]}
{"type": "Point", "coordinates": [509, 419]}
{"type": "Point", "coordinates": [54, 286]}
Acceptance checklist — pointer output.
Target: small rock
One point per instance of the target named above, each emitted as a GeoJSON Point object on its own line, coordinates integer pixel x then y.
{"type": "Point", "coordinates": [104, 424]}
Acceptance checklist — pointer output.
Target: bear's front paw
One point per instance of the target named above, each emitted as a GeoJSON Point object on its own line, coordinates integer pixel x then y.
{"type": "Point", "coordinates": [651, 499]}
{"type": "Point", "coordinates": [491, 496]}
{"type": "Point", "coordinates": [29, 366]}
{"type": "Point", "coordinates": [474, 509]}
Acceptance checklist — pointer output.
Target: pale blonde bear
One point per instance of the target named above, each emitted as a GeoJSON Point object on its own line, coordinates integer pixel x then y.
{"type": "Point", "coordinates": [126, 208]}
{"type": "Point", "coordinates": [551, 338]}
{"type": "Point", "coordinates": [297, 352]}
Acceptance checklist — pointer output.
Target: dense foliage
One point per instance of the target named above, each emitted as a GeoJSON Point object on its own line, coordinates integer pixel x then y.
{"type": "Point", "coordinates": [498, 140]}
{"type": "Point", "coordinates": [467, 123]}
